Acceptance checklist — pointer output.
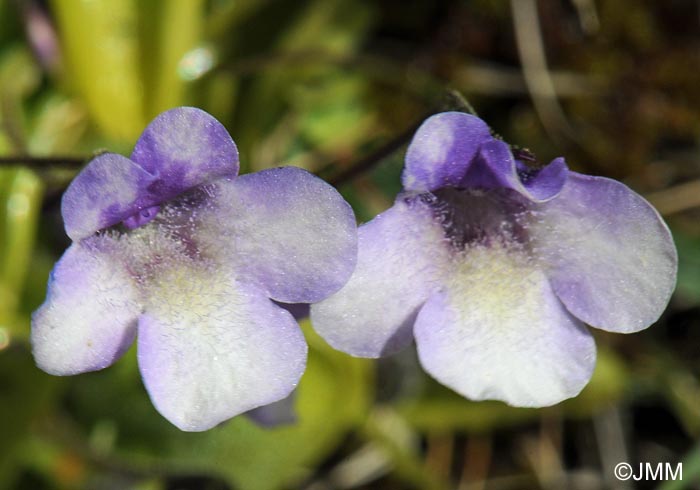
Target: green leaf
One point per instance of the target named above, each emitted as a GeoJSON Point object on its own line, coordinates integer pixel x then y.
{"type": "Point", "coordinates": [331, 111]}
{"type": "Point", "coordinates": [19, 74]}
{"type": "Point", "coordinates": [57, 125]}
{"type": "Point", "coordinates": [688, 266]}
{"type": "Point", "coordinates": [340, 23]}
{"type": "Point", "coordinates": [26, 393]}
{"type": "Point", "coordinates": [444, 411]}
{"type": "Point", "coordinates": [691, 473]}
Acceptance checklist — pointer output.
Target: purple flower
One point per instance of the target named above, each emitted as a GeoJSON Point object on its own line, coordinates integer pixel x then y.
{"type": "Point", "coordinates": [170, 247]}
{"type": "Point", "coordinates": [494, 268]}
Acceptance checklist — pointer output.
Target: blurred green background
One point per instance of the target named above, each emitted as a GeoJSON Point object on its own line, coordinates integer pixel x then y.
{"type": "Point", "coordinates": [337, 87]}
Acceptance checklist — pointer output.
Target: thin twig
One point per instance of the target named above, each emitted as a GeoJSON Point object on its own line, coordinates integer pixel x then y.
{"type": "Point", "coordinates": [345, 175]}
{"type": "Point", "coordinates": [367, 163]}
{"type": "Point", "coordinates": [478, 77]}
{"type": "Point", "coordinates": [421, 83]}
{"type": "Point", "coordinates": [32, 161]}
{"type": "Point", "coordinates": [677, 198]}
{"type": "Point", "coordinates": [452, 100]}
{"type": "Point", "coordinates": [588, 16]}
{"type": "Point", "coordinates": [439, 454]}
{"type": "Point", "coordinates": [477, 462]}
{"type": "Point", "coordinates": [612, 445]}
{"type": "Point", "coordinates": [455, 100]}
{"type": "Point", "coordinates": [501, 81]}
{"type": "Point", "coordinates": [528, 35]}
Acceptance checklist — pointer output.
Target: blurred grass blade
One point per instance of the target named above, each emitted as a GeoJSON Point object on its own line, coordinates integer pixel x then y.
{"type": "Point", "coordinates": [101, 46]}
{"type": "Point", "coordinates": [691, 473]}
{"type": "Point", "coordinates": [20, 204]}
{"type": "Point", "coordinates": [167, 31]}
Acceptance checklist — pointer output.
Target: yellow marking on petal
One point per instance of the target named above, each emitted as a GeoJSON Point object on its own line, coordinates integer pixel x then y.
{"type": "Point", "coordinates": [186, 293]}
{"type": "Point", "coordinates": [496, 282]}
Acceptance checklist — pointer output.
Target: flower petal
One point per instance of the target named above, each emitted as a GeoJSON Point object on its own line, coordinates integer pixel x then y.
{"type": "Point", "coordinates": [613, 259]}
{"type": "Point", "coordinates": [89, 317]}
{"type": "Point", "coordinates": [453, 149]}
{"type": "Point", "coordinates": [181, 149]}
{"type": "Point", "coordinates": [210, 348]}
{"type": "Point", "coordinates": [289, 231]}
{"type": "Point", "coordinates": [442, 150]}
{"type": "Point", "coordinates": [545, 183]}
{"type": "Point", "coordinates": [184, 148]}
{"type": "Point", "coordinates": [275, 414]}
{"type": "Point", "coordinates": [498, 331]}
{"type": "Point", "coordinates": [108, 190]}
{"type": "Point", "coordinates": [401, 252]}
{"type": "Point", "coordinates": [494, 167]}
